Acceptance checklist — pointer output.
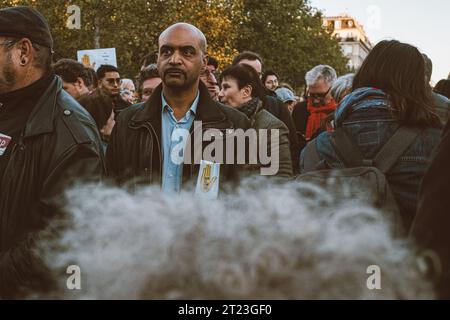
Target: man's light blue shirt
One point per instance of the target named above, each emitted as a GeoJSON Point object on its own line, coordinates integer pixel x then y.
{"type": "Point", "coordinates": [171, 137]}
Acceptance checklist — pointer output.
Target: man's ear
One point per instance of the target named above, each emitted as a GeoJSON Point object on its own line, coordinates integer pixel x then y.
{"type": "Point", "coordinates": [25, 47]}
{"type": "Point", "coordinates": [80, 82]}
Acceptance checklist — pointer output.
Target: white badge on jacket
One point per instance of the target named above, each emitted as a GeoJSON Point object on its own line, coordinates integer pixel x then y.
{"type": "Point", "coordinates": [208, 180]}
{"type": "Point", "coordinates": [4, 141]}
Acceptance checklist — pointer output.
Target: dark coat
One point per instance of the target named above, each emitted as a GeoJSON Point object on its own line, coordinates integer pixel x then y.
{"type": "Point", "coordinates": [135, 150]}
{"type": "Point", "coordinates": [431, 227]}
{"type": "Point", "coordinates": [60, 142]}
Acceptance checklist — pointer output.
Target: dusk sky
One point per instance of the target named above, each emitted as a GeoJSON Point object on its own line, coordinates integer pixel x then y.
{"type": "Point", "coordinates": [424, 24]}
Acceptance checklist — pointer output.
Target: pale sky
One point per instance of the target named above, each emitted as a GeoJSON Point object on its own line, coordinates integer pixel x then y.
{"type": "Point", "coordinates": [424, 24]}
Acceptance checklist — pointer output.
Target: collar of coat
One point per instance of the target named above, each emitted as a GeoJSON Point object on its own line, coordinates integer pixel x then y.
{"type": "Point", "coordinates": [208, 111]}
{"type": "Point", "coordinates": [41, 119]}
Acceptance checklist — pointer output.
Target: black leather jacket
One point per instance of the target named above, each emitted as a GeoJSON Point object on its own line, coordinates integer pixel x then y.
{"type": "Point", "coordinates": [60, 142]}
{"type": "Point", "coordinates": [134, 151]}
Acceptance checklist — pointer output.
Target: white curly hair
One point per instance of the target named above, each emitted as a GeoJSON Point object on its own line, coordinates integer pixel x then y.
{"type": "Point", "coordinates": [288, 241]}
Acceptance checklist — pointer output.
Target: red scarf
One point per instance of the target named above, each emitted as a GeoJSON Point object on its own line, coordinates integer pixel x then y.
{"type": "Point", "coordinates": [316, 117]}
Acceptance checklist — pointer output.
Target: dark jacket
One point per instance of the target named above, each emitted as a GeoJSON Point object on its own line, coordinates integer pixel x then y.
{"type": "Point", "coordinates": [300, 115]}
{"type": "Point", "coordinates": [276, 107]}
{"type": "Point", "coordinates": [365, 114]}
{"type": "Point", "coordinates": [135, 150]}
{"type": "Point", "coordinates": [431, 227]}
{"type": "Point", "coordinates": [60, 142]}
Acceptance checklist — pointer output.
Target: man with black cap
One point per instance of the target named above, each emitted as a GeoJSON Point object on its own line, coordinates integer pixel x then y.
{"type": "Point", "coordinates": [46, 139]}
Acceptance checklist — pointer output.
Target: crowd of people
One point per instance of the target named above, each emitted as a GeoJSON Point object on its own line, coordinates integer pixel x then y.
{"type": "Point", "coordinates": [62, 121]}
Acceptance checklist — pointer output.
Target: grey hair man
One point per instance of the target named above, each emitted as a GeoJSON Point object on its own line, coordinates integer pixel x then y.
{"type": "Point", "coordinates": [319, 81]}
{"type": "Point", "coordinates": [310, 115]}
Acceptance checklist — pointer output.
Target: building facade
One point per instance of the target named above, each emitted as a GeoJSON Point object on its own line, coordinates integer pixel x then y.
{"type": "Point", "coordinates": [353, 40]}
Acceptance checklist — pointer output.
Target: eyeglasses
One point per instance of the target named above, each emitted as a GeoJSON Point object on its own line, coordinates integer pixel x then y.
{"type": "Point", "coordinates": [112, 81]}
{"type": "Point", "coordinates": [318, 96]}
{"type": "Point", "coordinates": [8, 42]}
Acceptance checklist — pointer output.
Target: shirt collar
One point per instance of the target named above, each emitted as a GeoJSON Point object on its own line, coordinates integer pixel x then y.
{"type": "Point", "coordinates": [193, 107]}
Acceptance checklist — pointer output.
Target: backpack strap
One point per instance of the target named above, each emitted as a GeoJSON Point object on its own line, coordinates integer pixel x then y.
{"type": "Point", "coordinates": [395, 148]}
{"type": "Point", "coordinates": [348, 152]}
{"type": "Point", "coordinates": [311, 157]}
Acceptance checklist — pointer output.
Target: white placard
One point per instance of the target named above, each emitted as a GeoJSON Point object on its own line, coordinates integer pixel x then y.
{"type": "Point", "coordinates": [96, 57]}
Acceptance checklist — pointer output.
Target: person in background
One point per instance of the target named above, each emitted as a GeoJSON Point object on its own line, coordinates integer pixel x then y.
{"type": "Point", "coordinates": [310, 115]}
{"type": "Point", "coordinates": [342, 87]}
{"type": "Point", "coordinates": [272, 104]}
{"type": "Point", "coordinates": [93, 80]}
{"type": "Point", "coordinates": [74, 75]}
{"type": "Point", "coordinates": [128, 90]}
{"type": "Point", "coordinates": [270, 80]}
{"type": "Point", "coordinates": [443, 88]}
{"type": "Point", "coordinates": [243, 90]}
{"type": "Point", "coordinates": [148, 81]}
{"type": "Point", "coordinates": [209, 79]}
{"type": "Point", "coordinates": [148, 59]}
{"type": "Point", "coordinates": [441, 103]}
{"type": "Point", "coordinates": [287, 97]}
{"type": "Point", "coordinates": [109, 83]}
{"type": "Point", "coordinates": [101, 108]}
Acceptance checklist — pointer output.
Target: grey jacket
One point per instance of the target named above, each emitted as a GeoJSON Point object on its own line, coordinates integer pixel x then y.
{"type": "Point", "coordinates": [263, 119]}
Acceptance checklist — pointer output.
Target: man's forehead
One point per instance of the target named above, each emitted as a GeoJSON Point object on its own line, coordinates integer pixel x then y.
{"type": "Point", "coordinates": [179, 37]}
{"type": "Point", "coordinates": [255, 64]}
{"type": "Point", "coordinates": [112, 74]}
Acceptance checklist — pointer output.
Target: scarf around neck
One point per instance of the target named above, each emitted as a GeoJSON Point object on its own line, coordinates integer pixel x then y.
{"type": "Point", "coordinates": [249, 108]}
{"type": "Point", "coordinates": [316, 117]}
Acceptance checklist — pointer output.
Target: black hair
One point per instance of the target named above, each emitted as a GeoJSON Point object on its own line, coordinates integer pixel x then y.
{"type": "Point", "coordinates": [149, 72]}
{"type": "Point", "coordinates": [70, 70]}
{"type": "Point", "coordinates": [213, 62]}
{"type": "Point", "coordinates": [245, 76]}
{"type": "Point", "coordinates": [99, 106]}
{"type": "Point", "coordinates": [269, 73]}
{"type": "Point", "coordinates": [103, 69]}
